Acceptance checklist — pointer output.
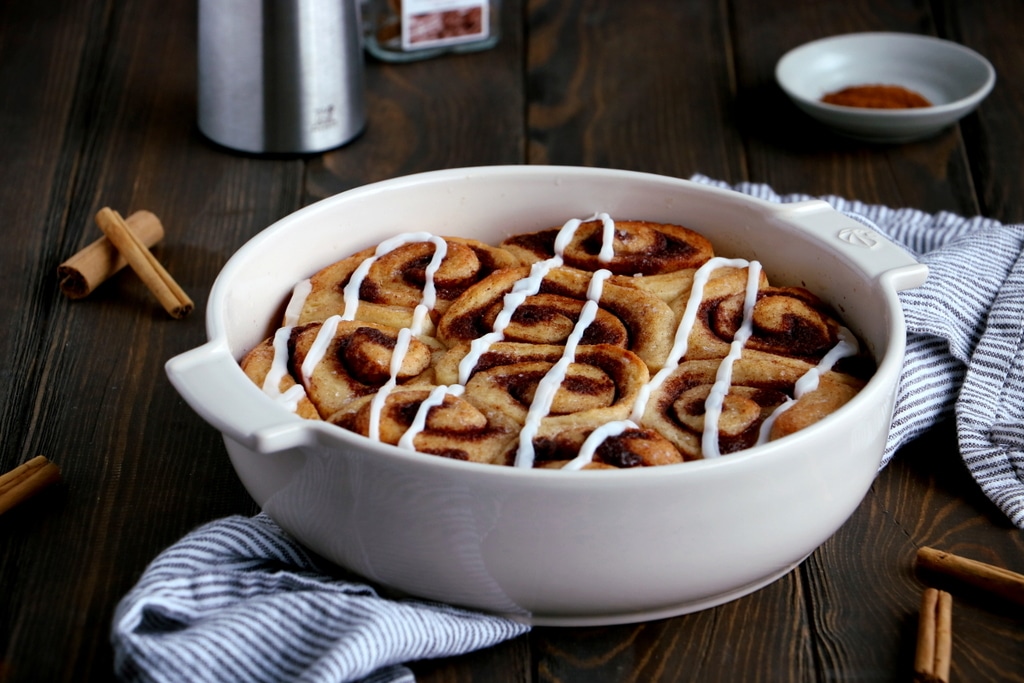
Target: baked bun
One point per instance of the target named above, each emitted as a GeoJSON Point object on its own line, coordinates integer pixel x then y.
{"type": "Point", "coordinates": [596, 345]}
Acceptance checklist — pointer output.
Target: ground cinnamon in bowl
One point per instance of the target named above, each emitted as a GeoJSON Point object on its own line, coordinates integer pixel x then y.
{"type": "Point", "coordinates": [877, 97]}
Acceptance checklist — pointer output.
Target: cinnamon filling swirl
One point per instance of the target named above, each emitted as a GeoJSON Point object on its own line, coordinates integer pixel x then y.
{"type": "Point", "coordinates": [597, 345]}
{"type": "Point", "coordinates": [636, 247]}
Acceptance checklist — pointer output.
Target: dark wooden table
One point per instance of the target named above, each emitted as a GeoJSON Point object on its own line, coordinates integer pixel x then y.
{"type": "Point", "coordinates": [98, 109]}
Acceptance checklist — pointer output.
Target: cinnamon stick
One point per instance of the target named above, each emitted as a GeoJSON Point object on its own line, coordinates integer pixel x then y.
{"type": "Point", "coordinates": [156, 278]}
{"type": "Point", "coordinates": [989, 578]}
{"type": "Point", "coordinates": [944, 637]}
{"type": "Point", "coordinates": [934, 653]}
{"type": "Point", "coordinates": [25, 481]}
{"type": "Point", "coordinates": [94, 264]}
{"type": "Point", "coordinates": [924, 655]}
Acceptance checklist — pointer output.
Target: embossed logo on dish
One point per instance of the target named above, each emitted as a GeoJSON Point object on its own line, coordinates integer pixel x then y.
{"type": "Point", "coordinates": [859, 236]}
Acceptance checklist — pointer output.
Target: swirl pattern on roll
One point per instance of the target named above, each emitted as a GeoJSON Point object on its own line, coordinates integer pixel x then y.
{"type": "Point", "coordinates": [454, 428]}
{"type": "Point", "coordinates": [628, 317]}
{"type": "Point", "coordinates": [351, 361]}
{"type": "Point", "coordinates": [601, 385]}
{"type": "Point", "coordinates": [761, 383]}
{"type": "Point", "coordinates": [394, 284]}
{"type": "Point", "coordinates": [787, 321]}
{"type": "Point", "coordinates": [638, 247]}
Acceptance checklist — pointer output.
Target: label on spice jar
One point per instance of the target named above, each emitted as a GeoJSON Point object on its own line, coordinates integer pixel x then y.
{"type": "Point", "coordinates": [435, 23]}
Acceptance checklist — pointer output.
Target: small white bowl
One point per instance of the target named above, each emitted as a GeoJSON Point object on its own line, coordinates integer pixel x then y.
{"type": "Point", "coordinates": [955, 79]}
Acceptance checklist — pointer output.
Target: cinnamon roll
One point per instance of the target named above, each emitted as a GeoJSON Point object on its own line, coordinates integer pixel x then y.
{"type": "Point", "coordinates": [450, 427]}
{"type": "Point", "coordinates": [600, 385]}
{"type": "Point", "coordinates": [786, 321]}
{"type": "Point", "coordinates": [267, 366]}
{"type": "Point", "coordinates": [633, 447]}
{"type": "Point", "coordinates": [635, 247]}
{"type": "Point", "coordinates": [628, 317]}
{"type": "Point", "coordinates": [597, 345]}
{"type": "Point", "coordinates": [338, 361]}
{"type": "Point", "coordinates": [394, 282]}
{"type": "Point", "coordinates": [760, 403]}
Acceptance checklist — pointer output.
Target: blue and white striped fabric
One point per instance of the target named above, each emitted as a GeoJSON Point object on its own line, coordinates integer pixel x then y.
{"type": "Point", "coordinates": [965, 342]}
{"type": "Point", "coordinates": [239, 600]}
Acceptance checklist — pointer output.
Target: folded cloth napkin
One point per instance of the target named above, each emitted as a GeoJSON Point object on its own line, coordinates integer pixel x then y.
{"type": "Point", "coordinates": [965, 337]}
{"type": "Point", "coordinates": [240, 600]}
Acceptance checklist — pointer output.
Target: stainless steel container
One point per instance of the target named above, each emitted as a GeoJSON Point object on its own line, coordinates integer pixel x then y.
{"type": "Point", "coordinates": [280, 76]}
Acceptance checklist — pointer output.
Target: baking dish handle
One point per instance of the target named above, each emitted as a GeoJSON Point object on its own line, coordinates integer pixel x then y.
{"type": "Point", "coordinates": [859, 241]}
{"type": "Point", "coordinates": [207, 377]}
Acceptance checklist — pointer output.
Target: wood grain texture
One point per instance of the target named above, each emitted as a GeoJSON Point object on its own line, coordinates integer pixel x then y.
{"type": "Point", "coordinates": [99, 109]}
{"type": "Point", "coordinates": [992, 29]}
{"type": "Point", "coordinates": [641, 86]}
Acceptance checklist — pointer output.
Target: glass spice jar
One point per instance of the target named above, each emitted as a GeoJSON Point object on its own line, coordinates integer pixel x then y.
{"type": "Point", "coordinates": [408, 30]}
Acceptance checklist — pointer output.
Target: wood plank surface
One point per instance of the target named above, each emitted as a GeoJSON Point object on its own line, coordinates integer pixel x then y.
{"type": "Point", "coordinates": [640, 86]}
{"type": "Point", "coordinates": [97, 108]}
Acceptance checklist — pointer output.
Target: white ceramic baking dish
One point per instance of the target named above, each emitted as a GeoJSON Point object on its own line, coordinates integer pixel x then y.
{"type": "Point", "coordinates": [547, 546]}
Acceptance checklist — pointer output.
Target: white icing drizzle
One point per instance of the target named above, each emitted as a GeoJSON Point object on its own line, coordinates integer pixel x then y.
{"type": "Point", "coordinates": [351, 294]}
{"type": "Point", "coordinates": [291, 398]}
{"type": "Point", "coordinates": [429, 299]}
{"type": "Point", "coordinates": [680, 345]}
{"type": "Point", "coordinates": [278, 369]}
{"type": "Point", "coordinates": [377, 404]}
{"type": "Point", "coordinates": [847, 346]}
{"type": "Point", "coordinates": [426, 304]}
{"type": "Point", "coordinates": [319, 347]}
{"type": "Point", "coordinates": [808, 382]}
{"type": "Point", "coordinates": [565, 235]}
{"type": "Point", "coordinates": [521, 290]}
{"type": "Point", "coordinates": [419, 422]}
{"type": "Point", "coordinates": [594, 441]}
{"type": "Point", "coordinates": [351, 291]}
{"type": "Point", "coordinates": [607, 238]}
{"type": "Point", "coordinates": [681, 342]}
{"type": "Point", "coordinates": [279, 364]}
{"type": "Point", "coordinates": [299, 295]}
{"type": "Point", "coordinates": [552, 380]}
{"type": "Point", "coordinates": [723, 377]}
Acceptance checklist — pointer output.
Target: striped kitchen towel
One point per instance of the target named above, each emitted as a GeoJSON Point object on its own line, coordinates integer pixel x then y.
{"type": "Point", "coordinates": [239, 600]}
{"type": "Point", "coordinates": [965, 337]}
